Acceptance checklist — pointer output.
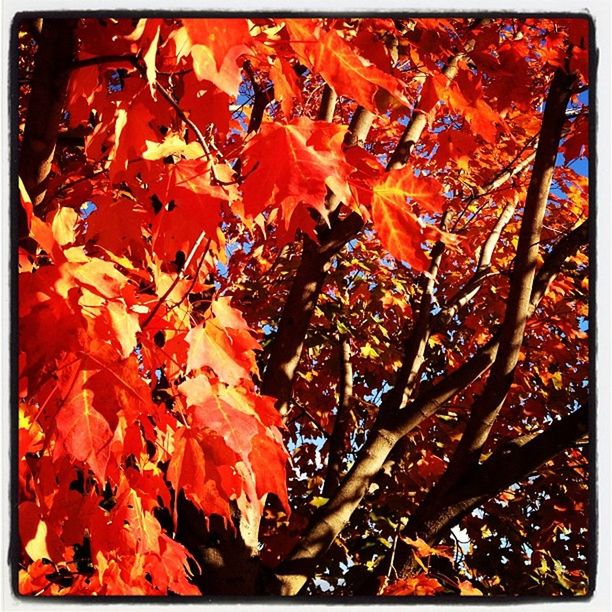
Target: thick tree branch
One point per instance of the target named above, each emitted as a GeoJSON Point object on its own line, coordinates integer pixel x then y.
{"type": "Point", "coordinates": [287, 346]}
{"type": "Point", "coordinates": [55, 53]}
{"type": "Point", "coordinates": [302, 563]}
{"type": "Point", "coordinates": [360, 125]}
{"type": "Point", "coordinates": [328, 104]}
{"type": "Point", "coordinates": [286, 349]}
{"type": "Point", "coordinates": [563, 249]}
{"type": "Point", "coordinates": [507, 466]}
{"type": "Point", "coordinates": [498, 384]}
{"type": "Point", "coordinates": [418, 122]}
{"type": "Point", "coordinates": [415, 127]}
{"type": "Point", "coordinates": [487, 406]}
{"type": "Point", "coordinates": [97, 60]}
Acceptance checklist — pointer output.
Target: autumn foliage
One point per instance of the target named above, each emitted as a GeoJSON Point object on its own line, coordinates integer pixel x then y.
{"type": "Point", "coordinates": [303, 306]}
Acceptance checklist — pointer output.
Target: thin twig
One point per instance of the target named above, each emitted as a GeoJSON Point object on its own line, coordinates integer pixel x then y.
{"type": "Point", "coordinates": [134, 61]}
{"type": "Point", "coordinates": [392, 559]}
{"type": "Point", "coordinates": [179, 111]}
{"type": "Point", "coordinates": [175, 282]}
{"type": "Point", "coordinates": [193, 282]}
{"type": "Point", "coordinates": [509, 167]}
{"type": "Point", "coordinates": [304, 412]}
{"type": "Point", "coordinates": [65, 186]}
{"type": "Point", "coordinates": [129, 58]}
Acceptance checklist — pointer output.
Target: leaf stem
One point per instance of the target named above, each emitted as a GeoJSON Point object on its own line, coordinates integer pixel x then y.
{"type": "Point", "coordinates": [175, 282]}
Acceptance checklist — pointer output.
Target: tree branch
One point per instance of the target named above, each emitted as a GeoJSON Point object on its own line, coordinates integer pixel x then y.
{"type": "Point", "coordinates": [504, 175]}
{"type": "Point", "coordinates": [261, 99]}
{"type": "Point", "coordinates": [176, 280]}
{"type": "Point", "coordinates": [418, 121]}
{"type": "Point", "coordinates": [55, 53]}
{"type": "Point", "coordinates": [386, 432]}
{"type": "Point", "coordinates": [175, 105]}
{"type": "Point", "coordinates": [505, 467]}
{"type": "Point", "coordinates": [328, 104]}
{"type": "Point", "coordinates": [337, 440]}
{"type": "Point", "coordinates": [287, 347]}
{"type": "Point", "coordinates": [473, 285]}
{"type": "Point", "coordinates": [486, 408]}
{"type": "Point", "coordinates": [127, 58]}
{"type": "Point", "coordinates": [563, 249]}
{"type": "Point", "coordinates": [360, 125]}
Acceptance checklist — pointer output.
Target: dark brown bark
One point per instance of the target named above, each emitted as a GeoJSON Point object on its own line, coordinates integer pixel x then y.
{"type": "Point", "coordinates": [226, 564]}
{"type": "Point", "coordinates": [56, 50]}
{"type": "Point", "coordinates": [504, 468]}
{"type": "Point", "coordinates": [286, 349]}
{"type": "Point", "coordinates": [563, 249]}
{"type": "Point", "coordinates": [337, 440]}
{"type": "Point", "coordinates": [261, 99]}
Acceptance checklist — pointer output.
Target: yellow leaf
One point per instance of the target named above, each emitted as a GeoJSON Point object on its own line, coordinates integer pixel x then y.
{"type": "Point", "coordinates": [543, 567]}
{"type": "Point", "coordinates": [368, 352]}
{"type": "Point", "coordinates": [422, 549]}
{"type": "Point", "coordinates": [149, 60]}
{"type": "Point", "coordinates": [63, 225]}
{"type": "Point", "coordinates": [434, 340]}
{"type": "Point", "coordinates": [467, 589]}
{"type": "Point", "coordinates": [172, 145]}
{"type": "Point", "coordinates": [37, 546]}
{"type": "Point", "coordinates": [557, 380]}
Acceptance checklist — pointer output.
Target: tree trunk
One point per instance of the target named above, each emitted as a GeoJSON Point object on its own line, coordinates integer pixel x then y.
{"type": "Point", "coordinates": [56, 51]}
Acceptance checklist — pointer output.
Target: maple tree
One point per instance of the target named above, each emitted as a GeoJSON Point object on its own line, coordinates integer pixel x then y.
{"type": "Point", "coordinates": [303, 306]}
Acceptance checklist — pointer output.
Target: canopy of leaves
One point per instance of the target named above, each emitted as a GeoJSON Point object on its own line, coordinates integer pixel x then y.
{"type": "Point", "coordinates": [193, 168]}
